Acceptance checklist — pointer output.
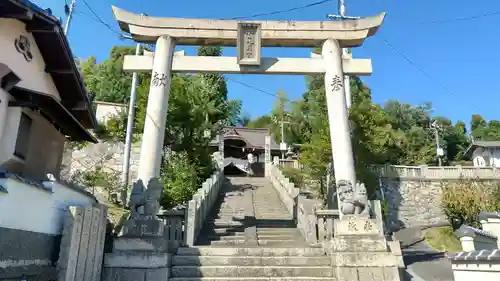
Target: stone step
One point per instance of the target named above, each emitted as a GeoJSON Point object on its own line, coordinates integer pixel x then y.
{"type": "Point", "coordinates": [223, 224]}
{"type": "Point", "coordinates": [225, 231]}
{"type": "Point", "coordinates": [253, 279]}
{"type": "Point", "coordinates": [260, 251]}
{"type": "Point", "coordinates": [222, 242]}
{"type": "Point", "coordinates": [276, 230]}
{"type": "Point", "coordinates": [219, 235]}
{"type": "Point", "coordinates": [252, 271]}
{"type": "Point", "coordinates": [250, 261]}
{"type": "Point", "coordinates": [225, 237]}
{"type": "Point", "coordinates": [283, 242]}
{"type": "Point", "coordinates": [279, 237]}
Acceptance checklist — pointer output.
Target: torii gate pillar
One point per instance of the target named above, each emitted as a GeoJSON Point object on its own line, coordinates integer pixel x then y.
{"type": "Point", "coordinates": [338, 115]}
{"type": "Point", "coordinates": [156, 117]}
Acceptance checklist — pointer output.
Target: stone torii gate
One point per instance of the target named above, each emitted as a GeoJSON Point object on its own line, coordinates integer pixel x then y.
{"type": "Point", "coordinates": [249, 37]}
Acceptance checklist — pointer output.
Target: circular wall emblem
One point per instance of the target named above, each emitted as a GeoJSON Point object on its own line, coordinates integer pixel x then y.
{"type": "Point", "coordinates": [23, 46]}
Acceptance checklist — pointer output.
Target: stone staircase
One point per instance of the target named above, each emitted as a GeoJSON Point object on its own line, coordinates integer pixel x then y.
{"type": "Point", "coordinates": [250, 236]}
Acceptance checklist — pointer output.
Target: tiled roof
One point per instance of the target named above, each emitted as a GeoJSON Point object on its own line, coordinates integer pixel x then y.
{"type": "Point", "coordinates": [483, 255]}
{"type": "Point", "coordinates": [255, 137]}
{"type": "Point", "coordinates": [469, 231]}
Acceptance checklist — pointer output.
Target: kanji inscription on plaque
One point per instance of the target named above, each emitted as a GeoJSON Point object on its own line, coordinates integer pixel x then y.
{"type": "Point", "coordinates": [249, 43]}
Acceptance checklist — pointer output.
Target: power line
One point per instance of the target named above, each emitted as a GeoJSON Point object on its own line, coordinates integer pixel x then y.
{"type": "Point", "coordinates": [284, 10]}
{"type": "Point", "coordinates": [252, 87]}
{"type": "Point", "coordinates": [399, 52]}
{"type": "Point", "coordinates": [99, 19]}
{"type": "Point", "coordinates": [474, 17]}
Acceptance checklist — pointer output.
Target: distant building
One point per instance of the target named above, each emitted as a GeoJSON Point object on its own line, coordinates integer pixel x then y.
{"type": "Point", "coordinates": [239, 141]}
{"type": "Point", "coordinates": [484, 153]}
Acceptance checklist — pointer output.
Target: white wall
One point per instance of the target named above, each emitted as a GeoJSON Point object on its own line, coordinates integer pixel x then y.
{"type": "Point", "coordinates": [32, 73]}
{"type": "Point", "coordinates": [30, 208]}
{"type": "Point", "coordinates": [495, 157]}
{"type": "Point", "coordinates": [105, 110]}
{"type": "Point", "coordinates": [480, 271]}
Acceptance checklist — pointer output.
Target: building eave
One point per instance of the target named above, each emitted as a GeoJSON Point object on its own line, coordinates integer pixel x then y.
{"type": "Point", "coordinates": [54, 47]}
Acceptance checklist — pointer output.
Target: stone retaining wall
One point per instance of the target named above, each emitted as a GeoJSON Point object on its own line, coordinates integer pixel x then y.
{"type": "Point", "coordinates": [414, 201]}
{"type": "Point", "coordinates": [106, 154]}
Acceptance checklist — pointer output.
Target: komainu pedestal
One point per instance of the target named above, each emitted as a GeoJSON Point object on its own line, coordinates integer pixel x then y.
{"type": "Point", "coordinates": [141, 253]}
{"type": "Point", "coordinates": [360, 252]}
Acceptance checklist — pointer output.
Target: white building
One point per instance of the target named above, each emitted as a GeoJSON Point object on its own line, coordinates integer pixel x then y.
{"type": "Point", "coordinates": [43, 101]}
{"type": "Point", "coordinates": [484, 153]}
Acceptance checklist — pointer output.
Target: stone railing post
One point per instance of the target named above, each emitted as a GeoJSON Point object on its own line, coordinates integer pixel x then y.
{"type": "Point", "coordinates": [424, 173]}
{"type": "Point", "coordinates": [190, 222]}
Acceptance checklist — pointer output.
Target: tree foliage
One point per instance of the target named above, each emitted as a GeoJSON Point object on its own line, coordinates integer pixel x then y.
{"type": "Point", "coordinates": [198, 105]}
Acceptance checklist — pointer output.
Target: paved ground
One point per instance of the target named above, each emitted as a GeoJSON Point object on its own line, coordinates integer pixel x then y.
{"type": "Point", "coordinates": [420, 259]}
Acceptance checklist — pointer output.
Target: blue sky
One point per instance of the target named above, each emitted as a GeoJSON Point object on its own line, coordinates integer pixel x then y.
{"type": "Point", "coordinates": [460, 56]}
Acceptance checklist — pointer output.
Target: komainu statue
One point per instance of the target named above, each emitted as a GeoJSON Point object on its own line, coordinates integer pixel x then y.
{"type": "Point", "coordinates": [148, 198]}
{"type": "Point", "coordinates": [353, 201]}
{"type": "Point", "coordinates": [361, 202]}
{"type": "Point", "coordinates": [345, 192]}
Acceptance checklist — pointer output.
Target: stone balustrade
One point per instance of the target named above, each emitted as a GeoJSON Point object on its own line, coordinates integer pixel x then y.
{"type": "Point", "coordinates": [476, 265]}
{"type": "Point", "coordinates": [286, 189]}
{"type": "Point", "coordinates": [474, 239]}
{"type": "Point", "coordinates": [316, 225]}
{"type": "Point", "coordinates": [174, 227]}
{"type": "Point", "coordinates": [200, 205]}
{"type": "Point", "coordinates": [325, 224]}
{"type": "Point", "coordinates": [431, 172]}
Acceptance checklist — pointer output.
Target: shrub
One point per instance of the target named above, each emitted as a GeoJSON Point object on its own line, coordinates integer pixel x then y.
{"type": "Point", "coordinates": [463, 200]}
{"type": "Point", "coordinates": [180, 180]}
{"type": "Point", "coordinates": [294, 175]}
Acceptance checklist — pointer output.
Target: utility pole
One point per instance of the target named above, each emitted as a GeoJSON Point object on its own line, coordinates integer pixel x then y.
{"type": "Point", "coordinates": [130, 131]}
{"type": "Point", "coordinates": [283, 136]}
{"type": "Point", "coordinates": [439, 150]}
{"type": "Point", "coordinates": [345, 51]}
{"type": "Point", "coordinates": [69, 13]}
{"type": "Point", "coordinates": [283, 122]}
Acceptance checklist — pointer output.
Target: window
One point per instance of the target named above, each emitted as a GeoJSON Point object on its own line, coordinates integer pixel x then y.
{"type": "Point", "coordinates": [22, 142]}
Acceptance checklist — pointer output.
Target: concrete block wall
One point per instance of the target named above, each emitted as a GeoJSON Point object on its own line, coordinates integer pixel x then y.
{"type": "Point", "coordinates": [31, 222]}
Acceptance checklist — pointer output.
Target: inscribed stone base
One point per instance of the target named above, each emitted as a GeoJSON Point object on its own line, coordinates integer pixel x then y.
{"type": "Point", "coordinates": [135, 274]}
{"type": "Point", "coordinates": [364, 259]}
{"type": "Point", "coordinates": [357, 225]}
{"type": "Point", "coordinates": [137, 260]}
{"type": "Point", "coordinates": [146, 244]}
{"type": "Point", "coordinates": [368, 274]}
{"type": "Point", "coordinates": [356, 243]}
{"type": "Point", "coordinates": [143, 227]}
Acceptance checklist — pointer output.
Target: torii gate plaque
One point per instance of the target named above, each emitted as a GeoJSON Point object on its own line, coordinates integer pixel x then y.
{"type": "Point", "coordinates": [248, 44]}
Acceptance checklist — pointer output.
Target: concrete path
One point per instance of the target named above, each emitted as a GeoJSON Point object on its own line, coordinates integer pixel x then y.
{"type": "Point", "coordinates": [423, 262]}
